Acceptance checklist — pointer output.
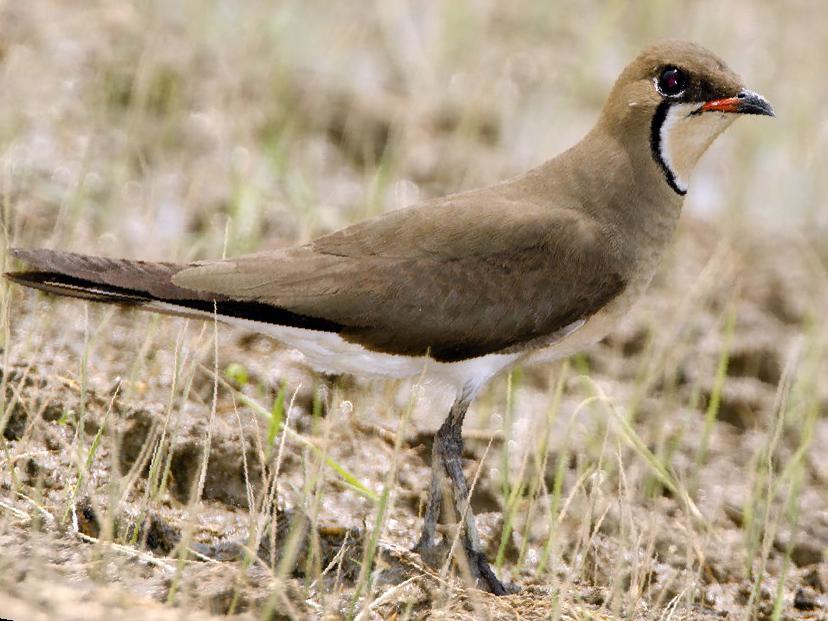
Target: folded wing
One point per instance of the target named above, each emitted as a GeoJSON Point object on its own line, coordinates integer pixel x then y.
{"type": "Point", "coordinates": [469, 275]}
{"type": "Point", "coordinates": [458, 279]}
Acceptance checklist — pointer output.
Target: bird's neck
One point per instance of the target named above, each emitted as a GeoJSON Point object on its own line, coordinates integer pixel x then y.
{"type": "Point", "coordinates": [640, 202]}
{"type": "Point", "coordinates": [613, 177]}
{"type": "Point", "coordinates": [615, 181]}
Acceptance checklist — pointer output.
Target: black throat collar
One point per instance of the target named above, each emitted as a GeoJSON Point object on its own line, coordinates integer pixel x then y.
{"type": "Point", "coordinates": [656, 145]}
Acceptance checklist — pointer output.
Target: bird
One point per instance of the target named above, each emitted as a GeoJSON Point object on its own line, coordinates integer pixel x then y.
{"type": "Point", "coordinates": [462, 287]}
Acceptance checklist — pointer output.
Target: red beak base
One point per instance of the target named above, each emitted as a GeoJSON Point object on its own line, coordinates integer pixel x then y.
{"type": "Point", "coordinates": [746, 102]}
{"type": "Point", "coordinates": [722, 105]}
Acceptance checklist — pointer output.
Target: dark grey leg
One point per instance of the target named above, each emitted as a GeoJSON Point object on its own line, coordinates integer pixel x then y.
{"type": "Point", "coordinates": [447, 464]}
{"type": "Point", "coordinates": [435, 504]}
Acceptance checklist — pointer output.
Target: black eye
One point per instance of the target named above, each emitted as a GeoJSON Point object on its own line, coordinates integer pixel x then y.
{"type": "Point", "coordinates": [672, 82]}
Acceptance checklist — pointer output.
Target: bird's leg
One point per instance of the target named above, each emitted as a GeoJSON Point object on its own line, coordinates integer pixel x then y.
{"type": "Point", "coordinates": [427, 542]}
{"type": "Point", "coordinates": [435, 504]}
{"type": "Point", "coordinates": [447, 464]}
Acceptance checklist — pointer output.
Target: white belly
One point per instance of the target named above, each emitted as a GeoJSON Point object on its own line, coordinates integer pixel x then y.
{"type": "Point", "coordinates": [328, 352]}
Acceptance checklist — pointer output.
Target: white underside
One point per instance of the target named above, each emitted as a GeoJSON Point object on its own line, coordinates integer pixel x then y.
{"type": "Point", "coordinates": [327, 352]}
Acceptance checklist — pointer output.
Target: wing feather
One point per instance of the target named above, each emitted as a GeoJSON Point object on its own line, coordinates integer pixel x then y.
{"type": "Point", "coordinates": [463, 277]}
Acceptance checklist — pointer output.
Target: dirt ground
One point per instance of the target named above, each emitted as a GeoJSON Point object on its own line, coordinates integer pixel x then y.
{"type": "Point", "coordinates": [158, 468]}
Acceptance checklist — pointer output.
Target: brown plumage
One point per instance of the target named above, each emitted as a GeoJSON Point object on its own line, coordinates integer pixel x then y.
{"type": "Point", "coordinates": [541, 265]}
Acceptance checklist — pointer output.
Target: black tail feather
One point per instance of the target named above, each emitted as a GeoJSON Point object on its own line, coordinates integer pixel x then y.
{"type": "Point", "coordinates": [62, 284]}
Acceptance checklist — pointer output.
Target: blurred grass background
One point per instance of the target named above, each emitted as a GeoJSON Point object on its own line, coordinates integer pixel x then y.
{"type": "Point", "coordinates": [195, 129]}
{"type": "Point", "coordinates": [123, 122]}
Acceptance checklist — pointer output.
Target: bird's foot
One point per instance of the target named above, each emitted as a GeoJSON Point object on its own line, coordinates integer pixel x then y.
{"type": "Point", "coordinates": [484, 576]}
{"type": "Point", "coordinates": [434, 554]}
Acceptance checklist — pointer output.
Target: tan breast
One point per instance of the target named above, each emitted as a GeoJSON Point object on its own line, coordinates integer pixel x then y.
{"type": "Point", "coordinates": [601, 323]}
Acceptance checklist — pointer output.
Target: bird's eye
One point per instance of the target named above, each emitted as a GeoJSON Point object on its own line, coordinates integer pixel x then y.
{"type": "Point", "coordinates": [672, 82]}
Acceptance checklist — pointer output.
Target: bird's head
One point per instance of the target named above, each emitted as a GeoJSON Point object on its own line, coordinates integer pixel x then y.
{"type": "Point", "coordinates": [678, 96]}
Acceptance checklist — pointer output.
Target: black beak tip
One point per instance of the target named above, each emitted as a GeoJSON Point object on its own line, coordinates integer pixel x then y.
{"type": "Point", "coordinates": [754, 103]}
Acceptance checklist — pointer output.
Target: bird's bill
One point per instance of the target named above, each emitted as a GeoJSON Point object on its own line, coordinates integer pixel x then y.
{"type": "Point", "coordinates": [746, 102]}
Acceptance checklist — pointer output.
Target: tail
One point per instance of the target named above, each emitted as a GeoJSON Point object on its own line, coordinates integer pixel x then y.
{"type": "Point", "coordinates": [145, 285]}
{"type": "Point", "coordinates": [115, 281]}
